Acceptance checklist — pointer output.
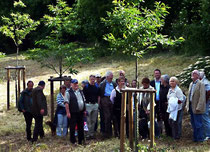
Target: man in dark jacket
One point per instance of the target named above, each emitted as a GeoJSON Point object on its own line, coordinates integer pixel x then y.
{"type": "Point", "coordinates": [75, 107]}
{"type": "Point", "coordinates": [39, 109]}
{"type": "Point", "coordinates": [156, 83]}
{"type": "Point", "coordinates": [105, 90]}
{"type": "Point", "coordinates": [25, 104]}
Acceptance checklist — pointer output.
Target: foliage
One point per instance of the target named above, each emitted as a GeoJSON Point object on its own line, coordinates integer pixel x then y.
{"type": "Point", "coordinates": [18, 25]}
{"type": "Point", "coordinates": [194, 23]}
{"type": "Point", "coordinates": [154, 149]}
{"type": "Point", "coordinates": [90, 12]}
{"type": "Point", "coordinates": [55, 52]}
{"type": "Point", "coordinates": [135, 29]}
{"type": "Point", "coordinates": [2, 55]}
{"type": "Point", "coordinates": [203, 64]}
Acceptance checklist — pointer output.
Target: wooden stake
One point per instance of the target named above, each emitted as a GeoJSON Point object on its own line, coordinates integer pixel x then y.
{"type": "Point", "coordinates": [122, 122]}
{"type": "Point", "coordinates": [130, 103]}
{"type": "Point", "coordinates": [8, 89]}
{"type": "Point", "coordinates": [24, 79]}
{"type": "Point", "coordinates": [52, 100]}
{"type": "Point", "coordinates": [136, 123]}
{"type": "Point", "coordinates": [152, 121]}
{"type": "Point", "coordinates": [18, 91]}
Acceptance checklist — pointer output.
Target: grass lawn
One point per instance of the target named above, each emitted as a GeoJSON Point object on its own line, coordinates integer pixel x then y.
{"type": "Point", "coordinates": [12, 125]}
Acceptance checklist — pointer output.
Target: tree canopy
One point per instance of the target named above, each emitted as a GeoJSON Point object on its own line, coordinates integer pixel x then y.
{"type": "Point", "coordinates": [18, 25]}
{"type": "Point", "coordinates": [135, 29]}
{"type": "Point", "coordinates": [54, 51]}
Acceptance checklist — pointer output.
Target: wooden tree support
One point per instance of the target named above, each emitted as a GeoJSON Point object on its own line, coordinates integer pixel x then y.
{"type": "Point", "coordinates": [60, 79]}
{"type": "Point", "coordinates": [130, 91]}
{"type": "Point", "coordinates": [18, 70]}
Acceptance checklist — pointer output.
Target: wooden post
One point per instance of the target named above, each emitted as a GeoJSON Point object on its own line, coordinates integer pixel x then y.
{"type": "Point", "coordinates": [152, 121]}
{"type": "Point", "coordinates": [122, 122]}
{"type": "Point", "coordinates": [52, 100]}
{"type": "Point", "coordinates": [18, 90]}
{"type": "Point", "coordinates": [24, 79]}
{"type": "Point", "coordinates": [8, 89]}
{"type": "Point", "coordinates": [135, 126]}
{"type": "Point", "coordinates": [130, 102]}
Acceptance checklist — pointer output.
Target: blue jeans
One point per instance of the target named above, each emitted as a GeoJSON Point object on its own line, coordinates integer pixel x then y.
{"type": "Point", "coordinates": [197, 125]}
{"type": "Point", "coordinates": [206, 121]}
{"type": "Point", "coordinates": [62, 124]}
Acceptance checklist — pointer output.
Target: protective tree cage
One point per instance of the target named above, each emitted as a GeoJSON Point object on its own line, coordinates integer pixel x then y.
{"type": "Point", "coordinates": [18, 71]}
{"type": "Point", "coordinates": [130, 92]}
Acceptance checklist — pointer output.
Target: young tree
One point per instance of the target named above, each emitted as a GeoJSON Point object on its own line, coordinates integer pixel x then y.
{"type": "Point", "coordinates": [55, 52]}
{"type": "Point", "coordinates": [18, 26]}
{"type": "Point", "coordinates": [134, 30]}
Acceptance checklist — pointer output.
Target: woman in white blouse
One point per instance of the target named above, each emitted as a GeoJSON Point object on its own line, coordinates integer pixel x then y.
{"type": "Point", "coordinates": [175, 101]}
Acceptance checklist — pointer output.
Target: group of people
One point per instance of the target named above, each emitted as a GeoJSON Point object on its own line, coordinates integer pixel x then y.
{"type": "Point", "coordinates": [103, 96]}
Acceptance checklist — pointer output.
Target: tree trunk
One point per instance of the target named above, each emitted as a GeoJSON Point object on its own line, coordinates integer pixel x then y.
{"type": "Point", "coordinates": [137, 72]}
{"type": "Point", "coordinates": [17, 55]}
{"type": "Point", "coordinates": [60, 68]}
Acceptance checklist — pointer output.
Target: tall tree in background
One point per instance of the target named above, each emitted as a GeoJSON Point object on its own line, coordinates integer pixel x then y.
{"type": "Point", "coordinates": [18, 25]}
{"type": "Point", "coordinates": [194, 23]}
{"type": "Point", "coordinates": [90, 12]}
{"type": "Point", "coordinates": [36, 9]}
{"type": "Point", "coordinates": [135, 29]}
{"type": "Point", "coordinates": [54, 51]}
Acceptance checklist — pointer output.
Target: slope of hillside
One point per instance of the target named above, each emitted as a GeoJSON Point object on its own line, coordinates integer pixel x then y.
{"type": "Point", "coordinates": [12, 126]}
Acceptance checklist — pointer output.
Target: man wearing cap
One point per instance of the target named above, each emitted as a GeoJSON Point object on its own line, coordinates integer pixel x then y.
{"type": "Point", "coordinates": [39, 109]}
{"type": "Point", "coordinates": [196, 105]}
{"type": "Point", "coordinates": [75, 107]}
{"type": "Point", "coordinates": [105, 90]}
{"type": "Point", "coordinates": [91, 92]}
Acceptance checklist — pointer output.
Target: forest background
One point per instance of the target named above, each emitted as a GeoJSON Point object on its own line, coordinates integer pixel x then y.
{"type": "Point", "coordinates": [187, 18]}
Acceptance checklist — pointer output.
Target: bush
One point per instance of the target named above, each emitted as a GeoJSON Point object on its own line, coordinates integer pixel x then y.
{"type": "Point", "coordinates": [2, 55]}
{"type": "Point", "coordinates": [203, 64]}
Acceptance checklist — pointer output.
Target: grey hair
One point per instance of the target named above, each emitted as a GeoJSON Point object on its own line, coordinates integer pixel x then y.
{"type": "Point", "coordinates": [202, 74]}
{"type": "Point", "coordinates": [196, 72]}
{"type": "Point", "coordinates": [108, 73]}
{"type": "Point", "coordinates": [166, 78]}
{"type": "Point", "coordinates": [174, 79]}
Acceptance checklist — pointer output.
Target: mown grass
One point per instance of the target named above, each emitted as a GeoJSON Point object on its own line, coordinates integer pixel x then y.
{"type": "Point", "coordinates": [12, 125]}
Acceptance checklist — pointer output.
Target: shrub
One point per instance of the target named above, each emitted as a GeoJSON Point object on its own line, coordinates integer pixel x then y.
{"type": "Point", "coordinates": [202, 64]}
{"type": "Point", "coordinates": [2, 55]}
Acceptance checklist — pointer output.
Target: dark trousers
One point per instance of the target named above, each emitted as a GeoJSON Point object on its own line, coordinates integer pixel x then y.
{"type": "Point", "coordinates": [175, 126]}
{"type": "Point", "coordinates": [102, 124]}
{"type": "Point", "coordinates": [106, 106]}
{"type": "Point", "coordinates": [116, 122]}
{"type": "Point", "coordinates": [143, 128]}
{"type": "Point", "coordinates": [168, 129]}
{"type": "Point", "coordinates": [96, 124]}
{"type": "Point", "coordinates": [77, 119]}
{"type": "Point", "coordinates": [28, 119]}
{"type": "Point", "coordinates": [38, 129]}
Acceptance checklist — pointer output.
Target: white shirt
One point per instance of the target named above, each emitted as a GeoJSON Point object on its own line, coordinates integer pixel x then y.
{"type": "Point", "coordinates": [176, 93]}
{"type": "Point", "coordinates": [172, 108]}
